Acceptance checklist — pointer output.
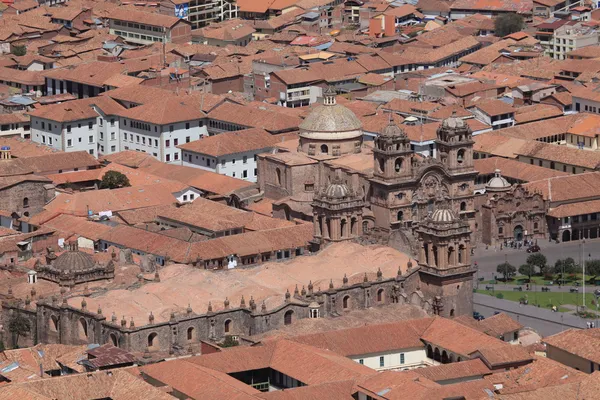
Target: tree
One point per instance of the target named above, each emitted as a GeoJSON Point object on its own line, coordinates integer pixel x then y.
{"type": "Point", "coordinates": [18, 326]}
{"type": "Point", "coordinates": [229, 342]}
{"type": "Point", "coordinates": [565, 266]}
{"type": "Point", "coordinates": [18, 50]}
{"type": "Point", "coordinates": [592, 267]}
{"type": "Point", "coordinates": [527, 269]}
{"type": "Point", "coordinates": [537, 260]}
{"type": "Point", "coordinates": [507, 270]}
{"type": "Point", "coordinates": [113, 180]}
{"type": "Point", "coordinates": [508, 23]}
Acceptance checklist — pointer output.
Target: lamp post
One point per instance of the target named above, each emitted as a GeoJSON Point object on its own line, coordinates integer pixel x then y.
{"type": "Point", "coordinates": [583, 259]}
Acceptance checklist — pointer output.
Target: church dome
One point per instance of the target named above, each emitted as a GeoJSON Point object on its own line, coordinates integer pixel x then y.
{"type": "Point", "coordinates": [392, 130]}
{"type": "Point", "coordinates": [73, 260]}
{"type": "Point", "coordinates": [454, 123]}
{"type": "Point", "coordinates": [330, 120]}
{"type": "Point", "coordinates": [443, 215]}
{"type": "Point", "coordinates": [337, 191]}
{"type": "Point", "coordinates": [497, 183]}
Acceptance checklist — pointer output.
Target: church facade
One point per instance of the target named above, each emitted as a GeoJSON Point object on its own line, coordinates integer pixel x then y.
{"type": "Point", "coordinates": [396, 187]}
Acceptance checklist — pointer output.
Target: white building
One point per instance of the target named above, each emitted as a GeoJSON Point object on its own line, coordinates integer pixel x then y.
{"type": "Point", "coordinates": [72, 126]}
{"type": "Point", "coordinates": [231, 153]}
{"type": "Point", "coordinates": [15, 125]}
{"type": "Point", "coordinates": [159, 127]}
{"type": "Point", "coordinates": [494, 113]}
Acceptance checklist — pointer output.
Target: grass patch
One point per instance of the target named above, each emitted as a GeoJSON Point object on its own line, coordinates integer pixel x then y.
{"type": "Point", "coordinates": [545, 299]}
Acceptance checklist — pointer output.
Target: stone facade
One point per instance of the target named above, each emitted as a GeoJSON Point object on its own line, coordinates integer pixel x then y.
{"type": "Point", "coordinates": [28, 197]}
{"type": "Point", "coordinates": [511, 214]}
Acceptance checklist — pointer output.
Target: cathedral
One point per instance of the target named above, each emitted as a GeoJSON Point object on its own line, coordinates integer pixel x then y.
{"type": "Point", "coordinates": [351, 189]}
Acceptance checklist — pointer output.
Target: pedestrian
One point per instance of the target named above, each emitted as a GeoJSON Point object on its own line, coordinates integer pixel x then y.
{"type": "Point", "coordinates": [589, 325]}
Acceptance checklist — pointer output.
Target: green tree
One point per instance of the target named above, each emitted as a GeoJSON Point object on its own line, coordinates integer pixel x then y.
{"type": "Point", "coordinates": [507, 270]}
{"type": "Point", "coordinates": [565, 266]}
{"type": "Point", "coordinates": [114, 180]}
{"type": "Point", "coordinates": [229, 342]}
{"type": "Point", "coordinates": [18, 326]}
{"type": "Point", "coordinates": [508, 23]}
{"type": "Point", "coordinates": [537, 260]}
{"type": "Point", "coordinates": [592, 267]}
{"type": "Point", "coordinates": [18, 50]}
{"type": "Point", "coordinates": [527, 269]}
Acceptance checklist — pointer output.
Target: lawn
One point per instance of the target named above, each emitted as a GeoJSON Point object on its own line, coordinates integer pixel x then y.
{"type": "Point", "coordinates": [539, 280]}
{"type": "Point", "coordinates": [546, 299]}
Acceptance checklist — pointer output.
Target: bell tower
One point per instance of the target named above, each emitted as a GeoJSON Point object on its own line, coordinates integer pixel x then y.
{"type": "Point", "coordinates": [446, 272]}
{"type": "Point", "coordinates": [454, 144]}
{"type": "Point", "coordinates": [392, 154]}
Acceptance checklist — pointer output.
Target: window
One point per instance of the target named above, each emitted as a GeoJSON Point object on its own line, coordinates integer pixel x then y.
{"type": "Point", "coordinates": [69, 143]}
{"type": "Point", "coordinates": [500, 230]}
{"type": "Point", "coordinates": [192, 196]}
{"type": "Point", "coordinates": [90, 125]}
{"type": "Point", "coordinates": [185, 197]}
{"type": "Point", "coordinates": [168, 157]}
{"type": "Point", "coordinates": [187, 125]}
{"type": "Point", "coordinates": [101, 136]}
{"type": "Point", "coordinates": [227, 326]}
{"type": "Point", "coordinates": [155, 142]}
{"type": "Point", "coordinates": [113, 136]}
{"type": "Point", "coordinates": [175, 142]}
{"type": "Point", "coordinates": [381, 361]}
{"type": "Point", "coordinates": [233, 160]}
{"type": "Point", "coordinates": [112, 121]}
{"type": "Point", "coordinates": [100, 121]}
{"type": "Point", "coordinates": [137, 138]}
{"type": "Point", "coordinates": [401, 358]}
{"type": "Point", "coordinates": [176, 156]}
{"type": "Point", "coordinates": [245, 160]}
{"type": "Point", "coordinates": [43, 125]}
{"type": "Point", "coordinates": [113, 148]}
{"type": "Point", "coordinates": [91, 151]}
{"type": "Point", "coordinates": [361, 361]}
{"type": "Point", "coordinates": [245, 174]}
{"type": "Point", "coordinates": [25, 202]}
{"type": "Point", "coordinates": [68, 128]}
{"type": "Point", "coordinates": [223, 162]}
{"type": "Point", "coordinates": [171, 128]}
{"type": "Point", "coordinates": [90, 139]}
{"type": "Point", "coordinates": [187, 139]}
{"type": "Point", "coordinates": [167, 143]}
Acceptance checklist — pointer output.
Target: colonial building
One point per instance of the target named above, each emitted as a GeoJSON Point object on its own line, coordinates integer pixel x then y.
{"type": "Point", "coordinates": [397, 187]}
{"type": "Point", "coordinates": [510, 212]}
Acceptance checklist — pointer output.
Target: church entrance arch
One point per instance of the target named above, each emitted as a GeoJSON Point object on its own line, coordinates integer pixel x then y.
{"type": "Point", "coordinates": [518, 233]}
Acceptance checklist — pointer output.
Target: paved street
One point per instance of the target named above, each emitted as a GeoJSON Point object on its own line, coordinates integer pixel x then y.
{"type": "Point", "coordinates": [488, 260]}
{"type": "Point", "coordinates": [542, 320]}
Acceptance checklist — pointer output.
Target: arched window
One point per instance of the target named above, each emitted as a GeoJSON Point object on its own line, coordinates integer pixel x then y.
{"type": "Point", "coordinates": [535, 225]}
{"type": "Point", "coordinates": [435, 255]}
{"type": "Point", "coordinates": [346, 302]}
{"type": "Point", "coordinates": [25, 202]}
{"type": "Point", "coordinates": [278, 173]}
{"type": "Point", "coordinates": [83, 329]}
{"type": "Point", "coordinates": [460, 156]}
{"type": "Point", "coordinates": [287, 317]}
{"type": "Point", "coordinates": [324, 149]}
{"type": "Point", "coordinates": [380, 293]}
{"type": "Point", "coordinates": [430, 206]}
{"type": "Point", "coordinates": [463, 206]}
{"type": "Point", "coordinates": [398, 164]}
{"type": "Point", "coordinates": [113, 340]}
{"type": "Point", "coordinates": [227, 326]}
{"type": "Point", "coordinates": [152, 341]}
{"type": "Point", "coordinates": [381, 165]}
{"type": "Point", "coordinates": [552, 165]}
{"type": "Point", "coordinates": [365, 226]}
{"type": "Point", "coordinates": [190, 334]}
{"type": "Point", "coordinates": [452, 312]}
{"type": "Point", "coordinates": [400, 216]}
{"type": "Point", "coordinates": [343, 227]}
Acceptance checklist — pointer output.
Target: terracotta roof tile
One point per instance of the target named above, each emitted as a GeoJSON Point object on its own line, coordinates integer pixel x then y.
{"type": "Point", "coordinates": [514, 169]}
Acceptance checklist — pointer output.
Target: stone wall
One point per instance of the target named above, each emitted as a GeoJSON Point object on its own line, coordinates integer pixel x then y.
{"type": "Point", "coordinates": [60, 323]}
{"type": "Point", "coordinates": [12, 197]}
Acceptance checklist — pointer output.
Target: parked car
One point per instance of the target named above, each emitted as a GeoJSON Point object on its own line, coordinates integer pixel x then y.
{"type": "Point", "coordinates": [478, 316]}
{"type": "Point", "coordinates": [533, 249]}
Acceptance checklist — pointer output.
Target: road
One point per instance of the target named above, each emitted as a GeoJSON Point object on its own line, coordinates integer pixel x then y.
{"type": "Point", "coordinates": [544, 321]}
{"type": "Point", "coordinates": [488, 260]}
